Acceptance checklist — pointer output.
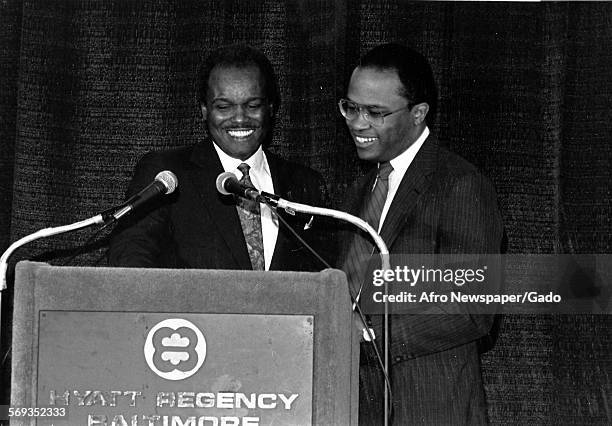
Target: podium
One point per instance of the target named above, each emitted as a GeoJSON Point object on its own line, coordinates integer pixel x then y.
{"type": "Point", "coordinates": [127, 346]}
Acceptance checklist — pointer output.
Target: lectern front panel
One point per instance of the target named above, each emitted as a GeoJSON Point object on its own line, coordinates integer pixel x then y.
{"type": "Point", "coordinates": [154, 368]}
{"type": "Point", "coordinates": [176, 368]}
{"type": "Point", "coordinates": [161, 347]}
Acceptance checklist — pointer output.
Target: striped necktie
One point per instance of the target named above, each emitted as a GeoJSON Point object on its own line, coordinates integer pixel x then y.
{"type": "Point", "coordinates": [376, 201]}
{"type": "Point", "coordinates": [250, 219]}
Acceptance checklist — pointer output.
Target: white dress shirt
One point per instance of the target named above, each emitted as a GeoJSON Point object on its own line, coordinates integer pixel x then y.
{"type": "Point", "coordinates": [400, 165]}
{"type": "Point", "coordinates": [259, 173]}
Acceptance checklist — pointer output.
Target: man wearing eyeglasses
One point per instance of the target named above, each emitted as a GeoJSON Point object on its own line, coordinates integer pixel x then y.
{"type": "Point", "coordinates": [422, 199]}
{"type": "Point", "coordinates": [196, 227]}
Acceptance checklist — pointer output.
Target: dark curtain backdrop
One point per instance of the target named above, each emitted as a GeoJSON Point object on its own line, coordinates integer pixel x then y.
{"type": "Point", "coordinates": [87, 87]}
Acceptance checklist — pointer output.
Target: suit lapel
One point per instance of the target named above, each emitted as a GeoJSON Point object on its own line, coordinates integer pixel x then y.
{"type": "Point", "coordinates": [278, 181]}
{"type": "Point", "coordinates": [282, 189]}
{"type": "Point", "coordinates": [415, 182]}
{"type": "Point", "coordinates": [355, 205]}
{"type": "Point", "coordinates": [221, 208]}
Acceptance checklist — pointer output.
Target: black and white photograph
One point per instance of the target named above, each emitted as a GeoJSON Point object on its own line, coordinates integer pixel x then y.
{"type": "Point", "coordinates": [305, 212]}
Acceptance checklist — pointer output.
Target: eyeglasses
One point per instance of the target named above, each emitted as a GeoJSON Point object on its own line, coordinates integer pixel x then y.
{"type": "Point", "coordinates": [351, 110]}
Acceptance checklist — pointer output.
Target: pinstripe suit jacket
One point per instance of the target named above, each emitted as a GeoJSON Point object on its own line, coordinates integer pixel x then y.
{"type": "Point", "coordinates": [443, 205]}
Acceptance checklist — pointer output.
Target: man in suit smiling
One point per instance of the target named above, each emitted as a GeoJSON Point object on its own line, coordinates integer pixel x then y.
{"type": "Point", "coordinates": [196, 227]}
{"type": "Point", "coordinates": [422, 199]}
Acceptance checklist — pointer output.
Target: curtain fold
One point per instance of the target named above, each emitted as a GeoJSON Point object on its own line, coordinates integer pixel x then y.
{"type": "Point", "coordinates": [10, 25]}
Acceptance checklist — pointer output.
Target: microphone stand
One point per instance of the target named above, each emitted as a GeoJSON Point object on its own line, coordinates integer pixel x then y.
{"type": "Point", "coordinates": [165, 183]}
{"type": "Point", "coordinates": [291, 207]}
{"type": "Point", "coordinates": [43, 233]}
{"type": "Point", "coordinates": [106, 218]}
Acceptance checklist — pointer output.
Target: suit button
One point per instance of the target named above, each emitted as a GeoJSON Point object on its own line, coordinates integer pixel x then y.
{"type": "Point", "coordinates": [398, 358]}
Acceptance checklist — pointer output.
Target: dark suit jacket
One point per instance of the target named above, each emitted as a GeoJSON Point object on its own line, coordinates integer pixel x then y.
{"type": "Point", "coordinates": [443, 205]}
{"type": "Point", "coordinates": [196, 227]}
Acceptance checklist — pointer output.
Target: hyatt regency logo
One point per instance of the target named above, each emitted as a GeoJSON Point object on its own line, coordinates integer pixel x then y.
{"type": "Point", "coordinates": [175, 349]}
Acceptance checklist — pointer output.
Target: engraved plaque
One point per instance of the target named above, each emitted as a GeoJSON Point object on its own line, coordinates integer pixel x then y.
{"type": "Point", "coordinates": [121, 368]}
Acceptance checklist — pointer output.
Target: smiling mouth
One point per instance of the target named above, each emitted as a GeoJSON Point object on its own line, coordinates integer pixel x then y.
{"type": "Point", "coordinates": [364, 141]}
{"type": "Point", "coordinates": [240, 133]}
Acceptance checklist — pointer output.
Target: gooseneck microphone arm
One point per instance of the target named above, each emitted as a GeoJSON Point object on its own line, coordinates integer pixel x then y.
{"type": "Point", "coordinates": [43, 233]}
{"type": "Point", "coordinates": [227, 183]}
{"type": "Point", "coordinates": [291, 207]}
{"type": "Point", "coordinates": [165, 183]}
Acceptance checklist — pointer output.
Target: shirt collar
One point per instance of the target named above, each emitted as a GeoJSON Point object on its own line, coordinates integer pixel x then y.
{"type": "Point", "coordinates": [403, 161]}
{"type": "Point", "coordinates": [257, 161]}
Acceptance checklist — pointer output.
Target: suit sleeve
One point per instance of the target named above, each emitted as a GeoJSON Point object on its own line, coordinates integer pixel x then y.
{"type": "Point", "coordinates": [469, 222]}
{"type": "Point", "coordinates": [138, 240]}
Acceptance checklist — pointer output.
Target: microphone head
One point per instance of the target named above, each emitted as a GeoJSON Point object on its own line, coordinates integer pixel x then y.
{"type": "Point", "coordinates": [221, 179]}
{"type": "Point", "coordinates": [168, 179]}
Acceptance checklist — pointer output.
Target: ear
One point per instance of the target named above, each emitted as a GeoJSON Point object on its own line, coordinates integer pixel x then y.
{"type": "Point", "coordinates": [419, 111]}
{"type": "Point", "coordinates": [204, 111]}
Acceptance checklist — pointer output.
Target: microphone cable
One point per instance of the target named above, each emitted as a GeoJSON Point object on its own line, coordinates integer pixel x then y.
{"type": "Point", "coordinates": [354, 303]}
{"type": "Point", "coordinates": [300, 239]}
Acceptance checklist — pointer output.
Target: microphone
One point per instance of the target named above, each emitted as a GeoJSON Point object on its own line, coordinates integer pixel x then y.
{"type": "Point", "coordinates": [165, 183]}
{"type": "Point", "coordinates": [228, 184]}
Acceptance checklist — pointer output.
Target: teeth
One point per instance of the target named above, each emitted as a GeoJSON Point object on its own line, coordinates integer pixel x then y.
{"type": "Point", "coordinates": [239, 134]}
{"type": "Point", "coordinates": [364, 140]}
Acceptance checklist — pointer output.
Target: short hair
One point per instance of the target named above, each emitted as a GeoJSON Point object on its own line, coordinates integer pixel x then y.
{"type": "Point", "coordinates": [238, 56]}
{"type": "Point", "coordinates": [412, 68]}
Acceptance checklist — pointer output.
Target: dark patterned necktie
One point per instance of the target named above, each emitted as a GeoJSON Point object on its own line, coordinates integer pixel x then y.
{"type": "Point", "coordinates": [378, 196]}
{"type": "Point", "coordinates": [250, 219]}
{"type": "Point", "coordinates": [362, 246]}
